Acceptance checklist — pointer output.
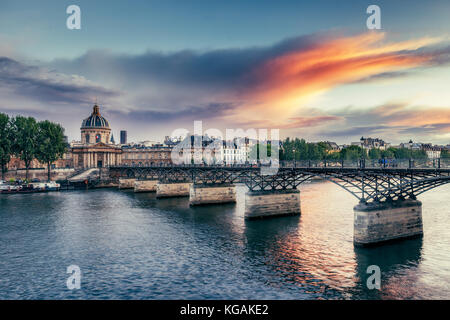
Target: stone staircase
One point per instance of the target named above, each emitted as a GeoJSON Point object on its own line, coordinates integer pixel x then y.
{"type": "Point", "coordinates": [88, 174]}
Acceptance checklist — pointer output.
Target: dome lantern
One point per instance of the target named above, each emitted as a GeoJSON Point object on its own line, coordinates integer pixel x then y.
{"type": "Point", "coordinates": [95, 120]}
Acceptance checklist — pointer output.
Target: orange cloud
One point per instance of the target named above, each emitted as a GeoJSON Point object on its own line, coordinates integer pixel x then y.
{"type": "Point", "coordinates": [284, 84]}
{"type": "Point", "coordinates": [423, 117]}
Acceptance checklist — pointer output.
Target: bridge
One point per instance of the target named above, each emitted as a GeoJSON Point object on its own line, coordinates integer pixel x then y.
{"type": "Point", "coordinates": [387, 192]}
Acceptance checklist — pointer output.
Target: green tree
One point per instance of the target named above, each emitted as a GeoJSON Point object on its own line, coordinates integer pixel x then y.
{"type": "Point", "coordinates": [25, 130]}
{"type": "Point", "coordinates": [388, 154]}
{"type": "Point", "coordinates": [324, 150]}
{"type": "Point", "coordinates": [445, 154]}
{"type": "Point", "coordinates": [401, 153]}
{"type": "Point", "coordinates": [375, 154]}
{"type": "Point", "coordinates": [6, 142]}
{"type": "Point", "coordinates": [261, 151]}
{"type": "Point", "coordinates": [353, 153]}
{"type": "Point", "coordinates": [51, 145]}
{"type": "Point", "coordinates": [419, 154]}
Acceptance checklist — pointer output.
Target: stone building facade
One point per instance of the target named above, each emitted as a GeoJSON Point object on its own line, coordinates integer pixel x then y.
{"type": "Point", "coordinates": [96, 149]}
{"type": "Point", "coordinates": [146, 156]}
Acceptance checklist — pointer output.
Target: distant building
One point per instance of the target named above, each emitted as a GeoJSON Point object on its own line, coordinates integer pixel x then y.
{"type": "Point", "coordinates": [149, 143]}
{"type": "Point", "coordinates": [140, 155]}
{"type": "Point", "coordinates": [433, 152]}
{"type": "Point", "coordinates": [96, 148]}
{"type": "Point", "coordinates": [371, 143]}
{"type": "Point", "coordinates": [332, 146]}
{"type": "Point", "coordinates": [234, 152]}
{"type": "Point", "coordinates": [411, 145]}
{"type": "Point", "coordinates": [123, 137]}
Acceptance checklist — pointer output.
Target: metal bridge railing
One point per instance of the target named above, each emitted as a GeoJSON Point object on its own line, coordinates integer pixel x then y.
{"type": "Point", "coordinates": [359, 163]}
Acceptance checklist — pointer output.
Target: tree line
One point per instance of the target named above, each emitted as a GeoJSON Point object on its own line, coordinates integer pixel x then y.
{"type": "Point", "coordinates": [28, 139]}
{"type": "Point", "coordinates": [299, 149]}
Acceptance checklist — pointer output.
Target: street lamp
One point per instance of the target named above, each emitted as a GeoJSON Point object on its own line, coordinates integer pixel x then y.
{"type": "Point", "coordinates": [294, 157]}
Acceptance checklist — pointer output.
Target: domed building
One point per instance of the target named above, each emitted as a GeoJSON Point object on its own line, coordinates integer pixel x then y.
{"type": "Point", "coordinates": [97, 147]}
{"type": "Point", "coordinates": [95, 128]}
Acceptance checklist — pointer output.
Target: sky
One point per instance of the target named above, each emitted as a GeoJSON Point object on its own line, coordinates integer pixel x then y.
{"type": "Point", "coordinates": [309, 68]}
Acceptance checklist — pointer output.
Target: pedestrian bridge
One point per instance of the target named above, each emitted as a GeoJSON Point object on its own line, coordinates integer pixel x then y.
{"type": "Point", "coordinates": [387, 209]}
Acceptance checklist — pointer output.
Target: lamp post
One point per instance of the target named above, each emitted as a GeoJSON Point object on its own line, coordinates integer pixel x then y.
{"type": "Point", "coordinates": [294, 157]}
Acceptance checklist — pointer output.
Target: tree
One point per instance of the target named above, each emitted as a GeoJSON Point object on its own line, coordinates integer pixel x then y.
{"type": "Point", "coordinates": [353, 153]}
{"type": "Point", "coordinates": [445, 154]}
{"type": "Point", "coordinates": [51, 144]}
{"type": "Point", "coordinates": [419, 154]}
{"type": "Point", "coordinates": [261, 151]}
{"type": "Point", "coordinates": [401, 153]}
{"type": "Point", "coordinates": [6, 142]}
{"type": "Point", "coordinates": [374, 154]}
{"type": "Point", "coordinates": [388, 154]}
{"type": "Point", "coordinates": [25, 130]}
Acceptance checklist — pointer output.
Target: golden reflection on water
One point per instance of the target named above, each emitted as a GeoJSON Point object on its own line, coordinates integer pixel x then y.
{"type": "Point", "coordinates": [317, 249]}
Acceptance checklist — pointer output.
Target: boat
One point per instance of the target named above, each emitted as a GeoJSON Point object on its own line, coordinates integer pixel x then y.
{"type": "Point", "coordinates": [30, 187]}
{"type": "Point", "coordinates": [38, 186]}
{"type": "Point", "coordinates": [7, 188]}
{"type": "Point", "coordinates": [52, 186]}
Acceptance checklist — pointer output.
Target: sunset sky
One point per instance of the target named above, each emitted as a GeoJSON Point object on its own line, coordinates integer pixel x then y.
{"type": "Point", "coordinates": [310, 68]}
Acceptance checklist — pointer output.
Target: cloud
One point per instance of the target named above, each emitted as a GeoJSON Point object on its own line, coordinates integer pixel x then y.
{"type": "Point", "coordinates": [270, 84]}
{"type": "Point", "coordinates": [210, 111]}
{"type": "Point", "coordinates": [259, 87]}
{"type": "Point", "coordinates": [393, 122]}
{"type": "Point", "coordinates": [283, 85]}
{"type": "Point", "coordinates": [43, 85]}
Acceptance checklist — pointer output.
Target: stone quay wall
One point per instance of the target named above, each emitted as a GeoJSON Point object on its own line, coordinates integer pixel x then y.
{"type": "Point", "coordinates": [41, 174]}
{"type": "Point", "coordinates": [126, 183]}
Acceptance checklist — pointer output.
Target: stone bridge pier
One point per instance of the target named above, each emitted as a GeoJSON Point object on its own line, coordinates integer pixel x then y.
{"type": "Point", "coordinates": [200, 194]}
{"type": "Point", "coordinates": [379, 222]}
{"type": "Point", "coordinates": [272, 203]}
{"type": "Point", "coordinates": [387, 209]}
{"type": "Point", "coordinates": [145, 185]}
{"type": "Point", "coordinates": [166, 189]}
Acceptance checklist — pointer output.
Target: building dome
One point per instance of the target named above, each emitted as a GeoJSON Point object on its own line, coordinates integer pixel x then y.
{"type": "Point", "coordinates": [95, 120]}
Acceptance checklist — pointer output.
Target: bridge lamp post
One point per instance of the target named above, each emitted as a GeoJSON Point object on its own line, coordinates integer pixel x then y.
{"type": "Point", "coordinates": [294, 157]}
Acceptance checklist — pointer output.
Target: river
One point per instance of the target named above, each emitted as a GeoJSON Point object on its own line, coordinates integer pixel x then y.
{"type": "Point", "coordinates": [133, 246]}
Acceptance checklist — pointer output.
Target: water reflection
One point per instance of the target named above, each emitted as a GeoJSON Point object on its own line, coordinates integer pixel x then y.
{"type": "Point", "coordinates": [398, 263]}
{"type": "Point", "coordinates": [136, 246]}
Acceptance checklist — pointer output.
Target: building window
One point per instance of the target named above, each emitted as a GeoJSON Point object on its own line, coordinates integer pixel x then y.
{"type": "Point", "coordinates": [87, 138]}
{"type": "Point", "coordinates": [98, 137]}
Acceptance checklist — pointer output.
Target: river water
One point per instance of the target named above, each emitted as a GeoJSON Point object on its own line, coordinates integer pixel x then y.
{"type": "Point", "coordinates": [132, 246]}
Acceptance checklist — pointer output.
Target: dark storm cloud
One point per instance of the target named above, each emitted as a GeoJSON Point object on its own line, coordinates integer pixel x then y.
{"type": "Point", "coordinates": [46, 86]}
